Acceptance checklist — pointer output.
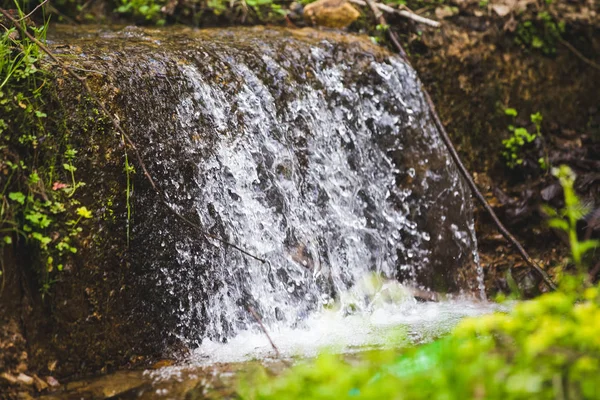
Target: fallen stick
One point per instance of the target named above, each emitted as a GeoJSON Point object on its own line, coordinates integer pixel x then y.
{"type": "Point", "coordinates": [403, 13]}
{"type": "Point", "coordinates": [578, 53]}
{"type": "Point", "coordinates": [264, 330]}
{"type": "Point", "coordinates": [125, 136]}
{"type": "Point", "coordinates": [456, 158]}
{"type": "Point", "coordinates": [33, 11]}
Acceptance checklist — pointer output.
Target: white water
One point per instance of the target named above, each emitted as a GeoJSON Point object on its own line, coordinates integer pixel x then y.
{"type": "Point", "coordinates": [394, 326]}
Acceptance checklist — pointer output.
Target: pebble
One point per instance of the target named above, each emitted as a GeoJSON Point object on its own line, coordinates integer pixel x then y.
{"type": "Point", "coordinates": [25, 379]}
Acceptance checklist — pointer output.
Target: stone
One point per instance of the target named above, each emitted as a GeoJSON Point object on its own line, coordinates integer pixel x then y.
{"type": "Point", "coordinates": [11, 379]}
{"type": "Point", "coordinates": [39, 384]}
{"type": "Point", "coordinates": [25, 379]}
{"type": "Point", "coordinates": [331, 13]}
{"type": "Point", "coordinates": [52, 382]}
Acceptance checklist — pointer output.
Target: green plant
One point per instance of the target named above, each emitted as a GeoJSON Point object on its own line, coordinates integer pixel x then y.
{"type": "Point", "coordinates": [68, 166]}
{"type": "Point", "coordinates": [143, 10]}
{"type": "Point", "coordinates": [547, 348]}
{"type": "Point", "coordinates": [566, 219]}
{"type": "Point", "coordinates": [35, 206]}
{"type": "Point", "coordinates": [541, 34]}
{"type": "Point", "coordinates": [514, 146]}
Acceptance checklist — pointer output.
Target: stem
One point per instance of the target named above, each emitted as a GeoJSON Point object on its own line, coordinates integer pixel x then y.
{"type": "Point", "coordinates": [73, 181]}
{"type": "Point", "coordinates": [128, 194]}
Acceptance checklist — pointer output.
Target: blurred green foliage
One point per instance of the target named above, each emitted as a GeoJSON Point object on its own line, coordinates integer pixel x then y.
{"type": "Point", "coordinates": [240, 11]}
{"type": "Point", "coordinates": [566, 219]}
{"type": "Point", "coordinates": [547, 348]}
{"type": "Point", "coordinates": [143, 10]}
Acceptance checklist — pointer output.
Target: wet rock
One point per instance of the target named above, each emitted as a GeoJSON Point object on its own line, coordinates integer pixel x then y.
{"type": "Point", "coordinates": [24, 396]}
{"type": "Point", "coordinates": [367, 185]}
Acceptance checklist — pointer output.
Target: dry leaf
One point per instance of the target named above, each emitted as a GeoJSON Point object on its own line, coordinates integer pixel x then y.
{"type": "Point", "coordinates": [501, 9]}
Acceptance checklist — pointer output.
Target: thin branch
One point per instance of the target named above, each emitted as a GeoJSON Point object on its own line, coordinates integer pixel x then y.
{"type": "Point", "coordinates": [381, 20]}
{"type": "Point", "coordinates": [33, 11]}
{"type": "Point", "coordinates": [264, 330]}
{"type": "Point", "coordinates": [578, 54]}
{"type": "Point", "coordinates": [456, 158]}
{"type": "Point", "coordinates": [120, 130]}
{"type": "Point", "coordinates": [402, 13]}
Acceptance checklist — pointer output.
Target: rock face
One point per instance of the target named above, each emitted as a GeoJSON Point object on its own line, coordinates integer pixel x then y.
{"type": "Point", "coordinates": [312, 151]}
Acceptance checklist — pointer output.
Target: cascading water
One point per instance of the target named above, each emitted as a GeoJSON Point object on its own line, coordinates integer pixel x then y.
{"type": "Point", "coordinates": [312, 151]}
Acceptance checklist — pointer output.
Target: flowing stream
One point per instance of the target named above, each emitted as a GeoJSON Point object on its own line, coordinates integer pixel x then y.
{"type": "Point", "coordinates": [313, 151]}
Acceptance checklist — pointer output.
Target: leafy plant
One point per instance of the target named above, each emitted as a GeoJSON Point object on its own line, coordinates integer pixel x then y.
{"type": "Point", "coordinates": [541, 34]}
{"type": "Point", "coordinates": [144, 10]}
{"type": "Point", "coordinates": [515, 145]}
{"type": "Point", "coordinates": [573, 211]}
{"type": "Point", "coordinates": [35, 205]}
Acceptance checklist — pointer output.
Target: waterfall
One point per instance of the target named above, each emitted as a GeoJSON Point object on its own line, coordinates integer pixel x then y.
{"type": "Point", "coordinates": [313, 151]}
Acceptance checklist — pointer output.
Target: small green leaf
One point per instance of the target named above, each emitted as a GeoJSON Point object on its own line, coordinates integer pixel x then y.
{"type": "Point", "coordinates": [84, 212]}
{"type": "Point", "coordinates": [44, 240]}
{"type": "Point", "coordinates": [69, 167]}
{"type": "Point", "coordinates": [510, 112]}
{"type": "Point", "coordinates": [17, 196]}
{"type": "Point", "coordinates": [7, 239]}
{"type": "Point", "coordinates": [70, 154]}
{"type": "Point", "coordinates": [536, 118]}
{"type": "Point", "coordinates": [559, 224]}
{"type": "Point", "coordinates": [34, 178]}
{"type": "Point", "coordinates": [549, 210]}
{"type": "Point", "coordinates": [588, 245]}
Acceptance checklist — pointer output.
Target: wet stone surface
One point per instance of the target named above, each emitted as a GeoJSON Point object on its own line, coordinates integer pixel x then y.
{"type": "Point", "coordinates": [311, 150]}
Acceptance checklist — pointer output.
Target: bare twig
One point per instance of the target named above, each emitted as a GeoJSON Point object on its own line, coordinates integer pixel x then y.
{"type": "Point", "coordinates": [578, 54]}
{"type": "Point", "coordinates": [456, 158]}
{"type": "Point", "coordinates": [264, 330]}
{"type": "Point", "coordinates": [381, 20]}
{"type": "Point", "coordinates": [33, 11]}
{"type": "Point", "coordinates": [121, 131]}
{"type": "Point", "coordinates": [404, 13]}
